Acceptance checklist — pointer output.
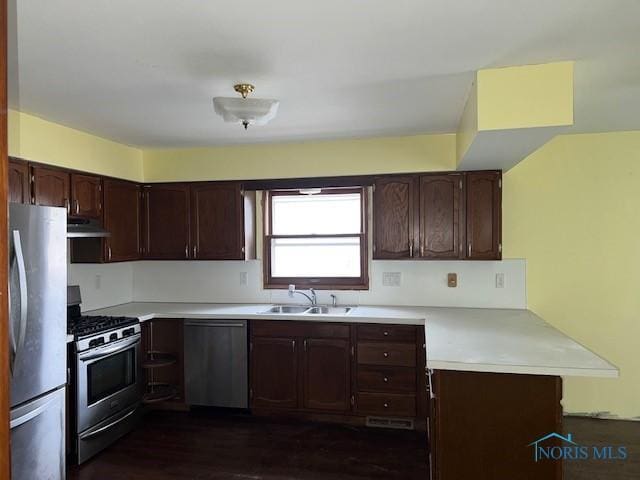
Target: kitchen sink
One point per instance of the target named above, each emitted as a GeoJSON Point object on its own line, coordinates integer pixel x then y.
{"type": "Point", "coordinates": [329, 310]}
{"type": "Point", "coordinates": [298, 310]}
{"type": "Point", "coordinates": [287, 309]}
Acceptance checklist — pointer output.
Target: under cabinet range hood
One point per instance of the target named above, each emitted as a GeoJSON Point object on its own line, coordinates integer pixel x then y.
{"type": "Point", "coordinates": [83, 228]}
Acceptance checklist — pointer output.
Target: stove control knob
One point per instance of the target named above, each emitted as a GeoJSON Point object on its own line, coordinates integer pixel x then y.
{"type": "Point", "coordinates": [113, 337]}
{"type": "Point", "coordinates": [128, 332]}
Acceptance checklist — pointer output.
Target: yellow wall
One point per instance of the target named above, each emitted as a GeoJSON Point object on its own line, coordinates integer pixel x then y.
{"type": "Point", "coordinates": [33, 138]}
{"type": "Point", "coordinates": [328, 158]}
{"type": "Point", "coordinates": [572, 209]}
{"type": "Point", "coordinates": [525, 96]}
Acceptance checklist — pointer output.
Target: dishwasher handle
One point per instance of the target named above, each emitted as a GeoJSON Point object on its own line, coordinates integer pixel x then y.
{"type": "Point", "coordinates": [213, 323]}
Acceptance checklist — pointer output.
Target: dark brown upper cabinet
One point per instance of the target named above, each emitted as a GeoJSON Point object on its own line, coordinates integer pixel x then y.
{"type": "Point", "coordinates": [19, 181]}
{"type": "Point", "coordinates": [394, 207]}
{"type": "Point", "coordinates": [122, 219]}
{"type": "Point", "coordinates": [484, 222]}
{"type": "Point", "coordinates": [51, 187]}
{"type": "Point", "coordinates": [166, 230]}
{"type": "Point", "coordinates": [86, 196]}
{"type": "Point", "coordinates": [218, 221]}
{"type": "Point", "coordinates": [440, 216]}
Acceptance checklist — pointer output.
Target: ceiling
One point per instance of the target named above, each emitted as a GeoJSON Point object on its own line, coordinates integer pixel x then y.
{"type": "Point", "coordinates": [144, 72]}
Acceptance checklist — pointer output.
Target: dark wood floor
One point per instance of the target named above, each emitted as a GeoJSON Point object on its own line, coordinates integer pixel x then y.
{"type": "Point", "coordinates": [204, 445]}
{"type": "Point", "coordinates": [604, 433]}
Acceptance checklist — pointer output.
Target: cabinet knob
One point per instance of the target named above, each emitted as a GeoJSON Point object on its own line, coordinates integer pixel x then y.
{"type": "Point", "coordinates": [385, 354]}
{"type": "Point", "coordinates": [385, 380]}
{"type": "Point", "coordinates": [386, 405]}
{"type": "Point", "coordinates": [385, 333]}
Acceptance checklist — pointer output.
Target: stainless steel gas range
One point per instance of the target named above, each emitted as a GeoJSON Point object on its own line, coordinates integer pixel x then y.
{"type": "Point", "coordinates": [106, 380]}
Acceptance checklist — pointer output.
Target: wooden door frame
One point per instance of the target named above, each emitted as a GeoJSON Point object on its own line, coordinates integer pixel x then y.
{"type": "Point", "coordinates": [4, 270]}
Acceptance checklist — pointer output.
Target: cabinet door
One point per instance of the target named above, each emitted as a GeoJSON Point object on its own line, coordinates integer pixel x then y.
{"type": "Point", "coordinates": [440, 216]}
{"type": "Point", "coordinates": [51, 187]}
{"type": "Point", "coordinates": [394, 217]}
{"type": "Point", "coordinates": [166, 223]}
{"type": "Point", "coordinates": [218, 223]}
{"type": "Point", "coordinates": [327, 374]}
{"type": "Point", "coordinates": [274, 372]}
{"type": "Point", "coordinates": [86, 196]}
{"type": "Point", "coordinates": [498, 418]}
{"type": "Point", "coordinates": [484, 205]}
{"type": "Point", "coordinates": [19, 191]}
{"type": "Point", "coordinates": [122, 220]}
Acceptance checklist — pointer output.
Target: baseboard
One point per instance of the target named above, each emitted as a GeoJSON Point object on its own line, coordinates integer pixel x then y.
{"type": "Point", "coordinates": [601, 416]}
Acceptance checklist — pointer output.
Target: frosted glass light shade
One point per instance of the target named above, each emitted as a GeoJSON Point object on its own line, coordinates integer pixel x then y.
{"type": "Point", "coordinates": [254, 111]}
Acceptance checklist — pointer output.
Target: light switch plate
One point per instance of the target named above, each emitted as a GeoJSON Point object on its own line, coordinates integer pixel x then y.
{"type": "Point", "coordinates": [391, 279]}
{"type": "Point", "coordinates": [452, 280]}
{"type": "Point", "coordinates": [499, 280]}
{"type": "Point", "coordinates": [244, 279]}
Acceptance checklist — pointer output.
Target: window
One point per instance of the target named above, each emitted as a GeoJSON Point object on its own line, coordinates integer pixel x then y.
{"type": "Point", "coordinates": [316, 238]}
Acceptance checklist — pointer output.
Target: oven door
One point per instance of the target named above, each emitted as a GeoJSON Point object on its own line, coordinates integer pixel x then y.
{"type": "Point", "coordinates": [108, 380]}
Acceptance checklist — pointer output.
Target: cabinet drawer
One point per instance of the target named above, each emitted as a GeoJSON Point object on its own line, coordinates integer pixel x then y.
{"type": "Point", "coordinates": [387, 404]}
{"type": "Point", "coordinates": [396, 354]}
{"type": "Point", "coordinates": [389, 333]}
{"type": "Point", "coordinates": [386, 379]}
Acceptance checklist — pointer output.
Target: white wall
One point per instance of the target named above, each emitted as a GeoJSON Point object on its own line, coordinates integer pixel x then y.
{"type": "Point", "coordinates": [422, 283]}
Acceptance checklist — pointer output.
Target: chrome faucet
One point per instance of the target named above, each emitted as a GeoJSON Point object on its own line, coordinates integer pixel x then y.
{"type": "Point", "coordinates": [334, 300]}
{"type": "Point", "coordinates": [311, 297]}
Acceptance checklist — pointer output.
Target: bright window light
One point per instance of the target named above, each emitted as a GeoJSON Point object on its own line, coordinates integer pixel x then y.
{"type": "Point", "coordinates": [316, 238]}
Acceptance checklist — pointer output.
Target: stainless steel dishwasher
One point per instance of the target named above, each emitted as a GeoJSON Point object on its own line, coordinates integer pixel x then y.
{"type": "Point", "coordinates": [215, 363]}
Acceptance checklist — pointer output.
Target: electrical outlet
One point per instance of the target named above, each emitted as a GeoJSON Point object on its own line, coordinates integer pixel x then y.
{"type": "Point", "coordinates": [391, 279]}
{"type": "Point", "coordinates": [98, 282]}
{"type": "Point", "coordinates": [452, 280]}
{"type": "Point", "coordinates": [499, 280]}
{"type": "Point", "coordinates": [244, 279]}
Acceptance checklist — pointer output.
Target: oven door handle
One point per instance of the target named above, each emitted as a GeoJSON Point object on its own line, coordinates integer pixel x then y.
{"type": "Point", "coordinates": [114, 348]}
{"type": "Point", "coordinates": [107, 427]}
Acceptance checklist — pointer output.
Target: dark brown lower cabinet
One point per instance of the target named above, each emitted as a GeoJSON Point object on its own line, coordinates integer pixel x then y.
{"type": "Point", "coordinates": [327, 374]}
{"type": "Point", "coordinates": [483, 423]}
{"type": "Point", "coordinates": [274, 372]}
{"type": "Point", "coordinates": [317, 370]}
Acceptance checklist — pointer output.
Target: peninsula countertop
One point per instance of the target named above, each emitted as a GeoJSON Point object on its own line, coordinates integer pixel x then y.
{"type": "Point", "coordinates": [465, 339]}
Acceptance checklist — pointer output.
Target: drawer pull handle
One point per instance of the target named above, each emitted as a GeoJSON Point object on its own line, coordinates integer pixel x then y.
{"type": "Point", "coordinates": [385, 354]}
{"type": "Point", "coordinates": [386, 405]}
{"type": "Point", "coordinates": [386, 380]}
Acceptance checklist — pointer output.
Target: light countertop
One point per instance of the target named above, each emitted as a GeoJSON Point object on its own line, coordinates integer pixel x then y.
{"type": "Point", "coordinates": [467, 339]}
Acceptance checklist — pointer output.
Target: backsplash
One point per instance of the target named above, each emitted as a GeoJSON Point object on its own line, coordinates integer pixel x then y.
{"type": "Point", "coordinates": [421, 283]}
{"type": "Point", "coordinates": [102, 285]}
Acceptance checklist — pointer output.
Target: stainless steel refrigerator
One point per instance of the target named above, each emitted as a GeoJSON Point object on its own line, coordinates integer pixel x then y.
{"type": "Point", "coordinates": [37, 337]}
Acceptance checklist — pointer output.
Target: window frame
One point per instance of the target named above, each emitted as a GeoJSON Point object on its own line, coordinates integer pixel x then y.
{"type": "Point", "coordinates": [324, 283]}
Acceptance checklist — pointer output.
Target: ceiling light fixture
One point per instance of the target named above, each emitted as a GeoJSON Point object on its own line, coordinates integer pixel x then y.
{"type": "Point", "coordinates": [247, 111]}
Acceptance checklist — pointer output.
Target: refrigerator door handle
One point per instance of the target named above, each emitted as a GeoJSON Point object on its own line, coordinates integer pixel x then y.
{"type": "Point", "coordinates": [24, 296]}
{"type": "Point", "coordinates": [12, 335]}
{"type": "Point", "coordinates": [16, 422]}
